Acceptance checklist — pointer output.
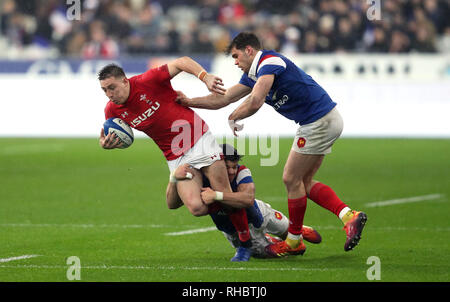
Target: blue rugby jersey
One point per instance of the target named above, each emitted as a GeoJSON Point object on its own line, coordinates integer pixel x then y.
{"type": "Point", "coordinates": [254, 215]}
{"type": "Point", "coordinates": [243, 176]}
{"type": "Point", "coordinates": [294, 94]}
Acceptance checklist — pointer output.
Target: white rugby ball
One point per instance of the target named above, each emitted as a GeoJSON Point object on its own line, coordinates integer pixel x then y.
{"type": "Point", "coordinates": [121, 129]}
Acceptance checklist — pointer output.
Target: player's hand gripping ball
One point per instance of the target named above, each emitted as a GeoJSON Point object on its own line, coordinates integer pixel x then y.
{"type": "Point", "coordinates": [121, 129]}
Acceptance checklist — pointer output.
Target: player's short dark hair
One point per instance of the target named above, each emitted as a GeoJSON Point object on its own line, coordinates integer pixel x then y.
{"type": "Point", "coordinates": [230, 153]}
{"type": "Point", "coordinates": [243, 40]}
{"type": "Point", "coordinates": [111, 70]}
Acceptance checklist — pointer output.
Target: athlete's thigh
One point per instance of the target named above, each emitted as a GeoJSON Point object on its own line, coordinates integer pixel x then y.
{"type": "Point", "coordinates": [217, 175]}
{"type": "Point", "coordinates": [189, 192]}
{"type": "Point", "coordinates": [299, 166]}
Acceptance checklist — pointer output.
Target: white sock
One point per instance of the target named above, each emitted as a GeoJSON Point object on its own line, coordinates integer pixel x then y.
{"type": "Point", "coordinates": [294, 237]}
{"type": "Point", "coordinates": [343, 212]}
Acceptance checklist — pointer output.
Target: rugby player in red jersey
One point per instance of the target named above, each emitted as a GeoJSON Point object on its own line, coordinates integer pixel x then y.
{"type": "Point", "coordinates": [147, 103]}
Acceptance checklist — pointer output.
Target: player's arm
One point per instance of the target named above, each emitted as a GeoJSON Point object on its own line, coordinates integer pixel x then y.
{"type": "Point", "coordinates": [243, 198]}
{"type": "Point", "coordinates": [253, 103]}
{"type": "Point", "coordinates": [173, 200]}
{"type": "Point", "coordinates": [214, 100]}
{"type": "Point", "coordinates": [183, 172]}
{"type": "Point", "coordinates": [187, 64]}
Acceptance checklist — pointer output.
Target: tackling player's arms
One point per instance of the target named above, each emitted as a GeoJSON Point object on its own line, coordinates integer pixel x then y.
{"type": "Point", "coordinates": [173, 200]}
{"type": "Point", "coordinates": [214, 100]}
{"type": "Point", "coordinates": [256, 99]}
{"type": "Point", "coordinates": [243, 198]}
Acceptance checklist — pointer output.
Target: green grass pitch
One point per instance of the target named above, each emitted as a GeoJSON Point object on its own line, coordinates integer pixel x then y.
{"type": "Point", "coordinates": [68, 197]}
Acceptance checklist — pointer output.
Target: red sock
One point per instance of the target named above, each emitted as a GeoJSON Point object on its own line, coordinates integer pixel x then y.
{"type": "Point", "coordinates": [297, 209]}
{"type": "Point", "coordinates": [240, 222]}
{"type": "Point", "coordinates": [324, 196]}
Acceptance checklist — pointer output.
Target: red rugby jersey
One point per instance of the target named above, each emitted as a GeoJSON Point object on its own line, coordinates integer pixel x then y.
{"type": "Point", "coordinates": [151, 108]}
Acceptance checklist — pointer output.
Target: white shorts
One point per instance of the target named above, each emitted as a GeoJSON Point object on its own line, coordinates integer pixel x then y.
{"type": "Point", "coordinates": [204, 153]}
{"type": "Point", "coordinates": [274, 223]}
{"type": "Point", "coordinates": [318, 137]}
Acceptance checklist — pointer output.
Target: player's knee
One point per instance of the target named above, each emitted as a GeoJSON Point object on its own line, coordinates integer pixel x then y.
{"type": "Point", "coordinates": [290, 181]}
{"type": "Point", "coordinates": [198, 210]}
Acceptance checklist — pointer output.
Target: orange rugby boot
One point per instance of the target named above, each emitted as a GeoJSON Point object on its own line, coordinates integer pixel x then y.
{"type": "Point", "coordinates": [311, 235]}
{"type": "Point", "coordinates": [282, 249]}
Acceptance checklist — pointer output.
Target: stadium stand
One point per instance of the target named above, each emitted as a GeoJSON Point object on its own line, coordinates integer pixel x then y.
{"type": "Point", "coordinates": [113, 28]}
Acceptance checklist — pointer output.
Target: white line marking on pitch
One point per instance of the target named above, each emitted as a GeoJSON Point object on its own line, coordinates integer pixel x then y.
{"type": "Point", "coordinates": [138, 226]}
{"type": "Point", "coordinates": [193, 268]}
{"type": "Point", "coordinates": [86, 226]}
{"type": "Point", "coordinates": [202, 230]}
{"type": "Point", "coordinates": [17, 258]}
{"type": "Point", "coordinates": [130, 226]}
{"type": "Point", "coordinates": [403, 200]}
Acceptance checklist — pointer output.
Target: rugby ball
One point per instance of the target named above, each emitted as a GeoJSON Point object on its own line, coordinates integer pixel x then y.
{"type": "Point", "coordinates": [121, 129]}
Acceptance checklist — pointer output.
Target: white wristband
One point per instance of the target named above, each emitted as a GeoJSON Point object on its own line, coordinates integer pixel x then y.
{"type": "Point", "coordinates": [219, 196]}
{"type": "Point", "coordinates": [172, 178]}
{"type": "Point", "coordinates": [235, 126]}
{"type": "Point", "coordinates": [189, 175]}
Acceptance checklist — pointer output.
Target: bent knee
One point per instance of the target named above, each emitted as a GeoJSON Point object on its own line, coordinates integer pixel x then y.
{"type": "Point", "coordinates": [290, 181]}
{"type": "Point", "coordinates": [197, 208]}
{"type": "Point", "coordinates": [198, 211]}
{"type": "Point", "coordinates": [194, 203]}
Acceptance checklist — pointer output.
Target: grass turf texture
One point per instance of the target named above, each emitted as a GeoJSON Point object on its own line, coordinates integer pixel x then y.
{"type": "Point", "coordinates": [68, 197]}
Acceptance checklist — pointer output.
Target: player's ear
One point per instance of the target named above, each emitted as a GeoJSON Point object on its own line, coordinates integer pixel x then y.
{"type": "Point", "coordinates": [248, 50]}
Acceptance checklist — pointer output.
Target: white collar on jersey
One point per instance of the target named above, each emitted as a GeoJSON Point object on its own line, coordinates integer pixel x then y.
{"type": "Point", "coordinates": [252, 71]}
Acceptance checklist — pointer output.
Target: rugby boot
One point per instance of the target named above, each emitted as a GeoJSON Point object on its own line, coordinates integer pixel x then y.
{"type": "Point", "coordinates": [282, 249]}
{"type": "Point", "coordinates": [311, 235]}
{"type": "Point", "coordinates": [353, 229]}
{"type": "Point", "coordinates": [242, 254]}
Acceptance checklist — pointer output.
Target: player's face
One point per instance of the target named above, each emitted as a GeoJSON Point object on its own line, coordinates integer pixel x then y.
{"type": "Point", "coordinates": [116, 89]}
{"type": "Point", "coordinates": [232, 167]}
{"type": "Point", "coordinates": [242, 58]}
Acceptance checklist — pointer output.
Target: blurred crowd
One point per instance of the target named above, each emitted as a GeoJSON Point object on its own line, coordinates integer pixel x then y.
{"type": "Point", "coordinates": [112, 28]}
